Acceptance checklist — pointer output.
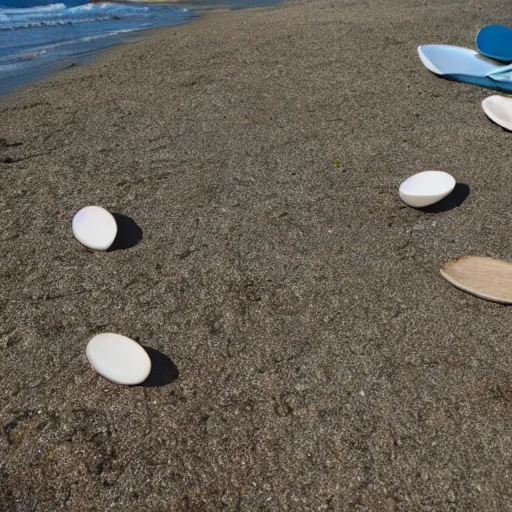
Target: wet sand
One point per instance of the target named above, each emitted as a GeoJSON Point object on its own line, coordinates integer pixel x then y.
{"type": "Point", "coordinates": [308, 354]}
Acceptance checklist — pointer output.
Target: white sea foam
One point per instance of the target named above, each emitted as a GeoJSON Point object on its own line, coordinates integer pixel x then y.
{"type": "Point", "coordinates": [30, 11]}
{"type": "Point", "coordinates": [58, 14]}
{"type": "Point", "coordinates": [41, 50]}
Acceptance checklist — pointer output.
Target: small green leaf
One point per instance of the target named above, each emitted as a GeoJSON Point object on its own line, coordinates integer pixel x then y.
{"type": "Point", "coordinates": [337, 163]}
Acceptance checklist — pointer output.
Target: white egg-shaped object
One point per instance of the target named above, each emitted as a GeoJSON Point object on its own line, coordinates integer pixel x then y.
{"type": "Point", "coordinates": [94, 227]}
{"type": "Point", "coordinates": [499, 109]}
{"type": "Point", "coordinates": [118, 358]}
{"type": "Point", "coordinates": [426, 188]}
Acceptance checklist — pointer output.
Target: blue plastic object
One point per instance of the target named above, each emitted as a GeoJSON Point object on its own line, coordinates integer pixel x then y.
{"type": "Point", "coordinates": [495, 41]}
{"type": "Point", "coordinates": [467, 66]}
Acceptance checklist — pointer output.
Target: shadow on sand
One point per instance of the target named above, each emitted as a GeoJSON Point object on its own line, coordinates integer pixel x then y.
{"type": "Point", "coordinates": [128, 233]}
{"type": "Point", "coordinates": [163, 370]}
{"type": "Point", "coordinates": [455, 199]}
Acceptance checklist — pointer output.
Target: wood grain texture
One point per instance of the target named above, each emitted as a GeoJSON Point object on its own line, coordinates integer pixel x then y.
{"type": "Point", "coordinates": [486, 278]}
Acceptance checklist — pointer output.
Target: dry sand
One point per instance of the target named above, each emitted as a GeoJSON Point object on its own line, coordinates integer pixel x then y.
{"type": "Point", "coordinates": [323, 362]}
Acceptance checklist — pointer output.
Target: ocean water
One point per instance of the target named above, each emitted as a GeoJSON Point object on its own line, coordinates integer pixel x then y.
{"type": "Point", "coordinates": [38, 37]}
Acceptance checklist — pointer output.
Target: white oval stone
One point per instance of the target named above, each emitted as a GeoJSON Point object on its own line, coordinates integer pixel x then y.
{"type": "Point", "coordinates": [118, 358]}
{"type": "Point", "coordinates": [426, 188]}
{"type": "Point", "coordinates": [499, 109]}
{"type": "Point", "coordinates": [94, 227]}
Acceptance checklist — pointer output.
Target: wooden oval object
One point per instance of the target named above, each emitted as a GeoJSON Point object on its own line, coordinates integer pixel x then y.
{"type": "Point", "coordinates": [486, 278]}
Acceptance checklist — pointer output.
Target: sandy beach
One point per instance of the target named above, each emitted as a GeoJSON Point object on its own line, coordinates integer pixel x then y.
{"type": "Point", "coordinates": [309, 356]}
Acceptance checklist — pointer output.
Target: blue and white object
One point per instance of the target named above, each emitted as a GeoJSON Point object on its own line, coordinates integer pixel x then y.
{"type": "Point", "coordinates": [467, 66]}
{"type": "Point", "coordinates": [94, 227]}
{"type": "Point", "coordinates": [495, 42]}
{"type": "Point", "coordinates": [118, 358]}
{"type": "Point", "coordinates": [499, 109]}
{"type": "Point", "coordinates": [426, 188]}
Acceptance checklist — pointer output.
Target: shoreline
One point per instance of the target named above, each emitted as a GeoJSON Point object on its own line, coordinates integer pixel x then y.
{"type": "Point", "coordinates": [81, 53]}
{"type": "Point", "coordinates": [319, 360]}
{"type": "Point", "coordinates": [135, 36]}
